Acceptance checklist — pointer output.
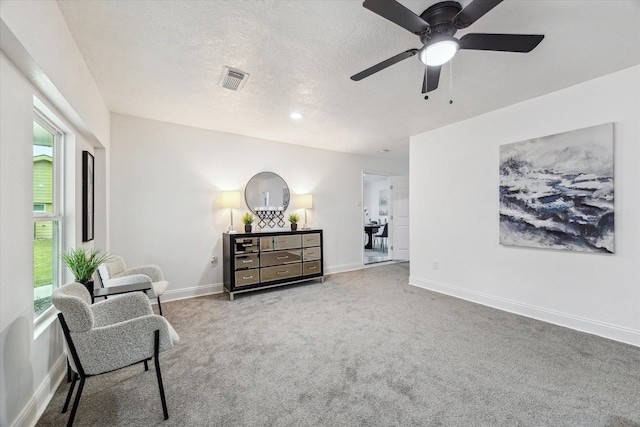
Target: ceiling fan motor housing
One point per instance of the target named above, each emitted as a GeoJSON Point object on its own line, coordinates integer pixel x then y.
{"type": "Point", "coordinates": [440, 19]}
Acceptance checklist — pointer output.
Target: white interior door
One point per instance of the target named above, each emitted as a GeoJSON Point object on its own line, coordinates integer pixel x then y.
{"type": "Point", "coordinates": [399, 233]}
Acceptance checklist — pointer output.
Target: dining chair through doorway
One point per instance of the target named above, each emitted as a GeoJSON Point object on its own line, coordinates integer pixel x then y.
{"type": "Point", "coordinates": [382, 236]}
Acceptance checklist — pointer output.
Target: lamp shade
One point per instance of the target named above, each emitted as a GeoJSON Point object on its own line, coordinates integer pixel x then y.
{"type": "Point", "coordinates": [305, 201]}
{"type": "Point", "coordinates": [230, 199]}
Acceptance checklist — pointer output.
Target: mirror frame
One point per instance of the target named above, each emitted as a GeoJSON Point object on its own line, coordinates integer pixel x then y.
{"type": "Point", "coordinates": [252, 205]}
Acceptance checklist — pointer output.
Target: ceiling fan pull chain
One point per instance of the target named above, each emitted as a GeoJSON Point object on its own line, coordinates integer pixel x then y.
{"type": "Point", "coordinates": [451, 81]}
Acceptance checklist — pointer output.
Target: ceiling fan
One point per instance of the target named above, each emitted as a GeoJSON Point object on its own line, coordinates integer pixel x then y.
{"type": "Point", "coordinates": [436, 27]}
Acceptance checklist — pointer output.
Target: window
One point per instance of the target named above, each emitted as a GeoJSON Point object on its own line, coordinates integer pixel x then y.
{"type": "Point", "coordinates": [47, 208]}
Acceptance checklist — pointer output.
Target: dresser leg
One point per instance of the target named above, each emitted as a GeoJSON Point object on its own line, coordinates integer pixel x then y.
{"type": "Point", "coordinates": [230, 296]}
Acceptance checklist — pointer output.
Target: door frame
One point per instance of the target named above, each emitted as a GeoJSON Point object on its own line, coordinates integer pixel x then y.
{"type": "Point", "coordinates": [362, 221]}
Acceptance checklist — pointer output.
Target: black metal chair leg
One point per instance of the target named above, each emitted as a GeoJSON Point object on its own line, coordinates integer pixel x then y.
{"type": "Point", "coordinates": [75, 403]}
{"type": "Point", "coordinates": [73, 385]}
{"type": "Point", "coordinates": [157, 363]}
{"type": "Point", "coordinates": [68, 371]}
{"type": "Point", "coordinates": [159, 306]}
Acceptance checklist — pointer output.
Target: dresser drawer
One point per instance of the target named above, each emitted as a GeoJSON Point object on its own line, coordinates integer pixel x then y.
{"type": "Point", "coordinates": [247, 261]}
{"type": "Point", "coordinates": [309, 268]}
{"type": "Point", "coordinates": [311, 239]}
{"type": "Point", "coordinates": [280, 257]}
{"type": "Point", "coordinates": [247, 277]}
{"type": "Point", "coordinates": [269, 274]}
{"type": "Point", "coordinates": [244, 245]}
{"type": "Point", "coordinates": [311, 254]}
{"type": "Point", "coordinates": [280, 242]}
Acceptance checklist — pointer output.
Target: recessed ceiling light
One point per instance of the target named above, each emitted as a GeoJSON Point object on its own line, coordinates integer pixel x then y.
{"type": "Point", "coordinates": [385, 150]}
{"type": "Point", "coordinates": [296, 116]}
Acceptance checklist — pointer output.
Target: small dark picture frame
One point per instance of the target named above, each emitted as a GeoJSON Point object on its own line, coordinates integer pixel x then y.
{"type": "Point", "coordinates": [87, 196]}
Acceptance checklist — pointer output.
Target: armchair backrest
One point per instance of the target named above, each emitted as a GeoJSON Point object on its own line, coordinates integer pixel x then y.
{"type": "Point", "coordinates": [73, 300]}
{"type": "Point", "coordinates": [111, 268]}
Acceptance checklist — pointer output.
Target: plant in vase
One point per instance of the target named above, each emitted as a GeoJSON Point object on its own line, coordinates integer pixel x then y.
{"type": "Point", "coordinates": [294, 219]}
{"type": "Point", "coordinates": [83, 263]}
{"type": "Point", "coordinates": [247, 220]}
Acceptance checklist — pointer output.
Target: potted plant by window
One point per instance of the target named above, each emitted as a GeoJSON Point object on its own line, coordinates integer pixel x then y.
{"type": "Point", "coordinates": [293, 219]}
{"type": "Point", "coordinates": [247, 220]}
{"type": "Point", "coordinates": [83, 263]}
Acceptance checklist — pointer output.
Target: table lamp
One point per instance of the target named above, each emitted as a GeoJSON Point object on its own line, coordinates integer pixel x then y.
{"type": "Point", "coordinates": [305, 201]}
{"type": "Point", "coordinates": [231, 200]}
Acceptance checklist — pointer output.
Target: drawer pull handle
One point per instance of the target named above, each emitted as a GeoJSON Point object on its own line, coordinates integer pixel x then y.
{"type": "Point", "coordinates": [247, 277]}
{"type": "Point", "coordinates": [247, 261]}
{"type": "Point", "coordinates": [282, 257]}
{"type": "Point", "coordinates": [282, 272]}
{"type": "Point", "coordinates": [313, 268]}
{"type": "Point", "coordinates": [247, 245]}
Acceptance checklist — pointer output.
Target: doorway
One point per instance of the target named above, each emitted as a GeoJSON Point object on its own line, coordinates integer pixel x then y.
{"type": "Point", "coordinates": [376, 199]}
{"type": "Point", "coordinates": [385, 215]}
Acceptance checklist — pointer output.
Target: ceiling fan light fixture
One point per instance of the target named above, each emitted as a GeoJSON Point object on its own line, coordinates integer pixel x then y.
{"type": "Point", "coordinates": [439, 51]}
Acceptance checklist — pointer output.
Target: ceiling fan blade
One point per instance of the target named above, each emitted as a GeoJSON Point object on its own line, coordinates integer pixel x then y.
{"type": "Point", "coordinates": [474, 11]}
{"type": "Point", "coordinates": [433, 77]}
{"type": "Point", "coordinates": [424, 81]}
{"type": "Point", "coordinates": [398, 14]}
{"type": "Point", "coordinates": [384, 64]}
{"type": "Point", "coordinates": [501, 42]}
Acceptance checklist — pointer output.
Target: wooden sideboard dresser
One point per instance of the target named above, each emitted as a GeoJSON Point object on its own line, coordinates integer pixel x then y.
{"type": "Point", "coordinates": [266, 259]}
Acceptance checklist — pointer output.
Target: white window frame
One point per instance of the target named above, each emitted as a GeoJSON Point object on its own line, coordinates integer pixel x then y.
{"type": "Point", "coordinates": [56, 216]}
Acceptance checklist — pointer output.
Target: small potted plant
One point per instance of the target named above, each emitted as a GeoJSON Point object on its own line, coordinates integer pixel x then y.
{"type": "Point", "coordinates": [293, 219]}
{"type": "Point", "coordinates": [83, 263]}
{"type": "Point", "coordinates": [247, 220]}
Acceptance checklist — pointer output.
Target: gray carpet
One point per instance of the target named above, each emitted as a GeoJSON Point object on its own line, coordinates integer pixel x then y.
{"type": "Point", "coordinates": [366, 349]}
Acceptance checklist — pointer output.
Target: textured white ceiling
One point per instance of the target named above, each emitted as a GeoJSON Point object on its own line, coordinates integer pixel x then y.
{"type": "Point", "coordinates": [162, 60]}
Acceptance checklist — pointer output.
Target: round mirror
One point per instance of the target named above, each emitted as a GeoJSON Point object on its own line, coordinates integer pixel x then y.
{"type": "Point", "coordinates": [267, 191]}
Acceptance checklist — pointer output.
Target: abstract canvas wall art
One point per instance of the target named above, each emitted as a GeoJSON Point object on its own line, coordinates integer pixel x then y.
{"type": "Point", "coordinates": [556, 192]}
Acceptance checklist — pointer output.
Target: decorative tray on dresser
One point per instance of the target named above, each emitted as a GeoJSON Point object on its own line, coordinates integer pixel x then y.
{"type": "Point", "coordinates": [267, 259]}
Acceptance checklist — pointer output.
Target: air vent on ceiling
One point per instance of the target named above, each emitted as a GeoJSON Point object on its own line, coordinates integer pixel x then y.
{"type": "Point", "coordinates": [233, 79]}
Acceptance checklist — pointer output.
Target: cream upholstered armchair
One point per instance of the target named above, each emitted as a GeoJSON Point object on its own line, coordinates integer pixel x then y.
{"type": "Point", "coordinates": [114, 272]}
{"type": "Point", "coordinates": [110, 335]}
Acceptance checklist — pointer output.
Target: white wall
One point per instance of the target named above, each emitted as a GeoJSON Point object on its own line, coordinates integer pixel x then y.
{"type": "Point", "coordinates": [454, 214]}
{"type": "Point", "coordinates": [36, 60]}
{"type": "Point", "coordinates": [48, 55]}
{"type": "Point", "coordinates": [166, 180]}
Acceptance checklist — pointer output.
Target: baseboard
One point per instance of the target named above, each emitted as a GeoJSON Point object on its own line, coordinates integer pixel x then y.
{"type": "Point", "coordinates": [343, 268]}
{"type": "Point", "coordinates": [194, 291]}
{"type": "Point", "coordinates": [31, 413]}
{"type": "Point", "coordinates": [217, 288]}
{"type": "Point", "coordinates": [602, 329]}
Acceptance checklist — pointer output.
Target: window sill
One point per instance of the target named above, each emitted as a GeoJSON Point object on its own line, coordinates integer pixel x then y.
{"type": "Point", "coordinates": [43, 321]}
